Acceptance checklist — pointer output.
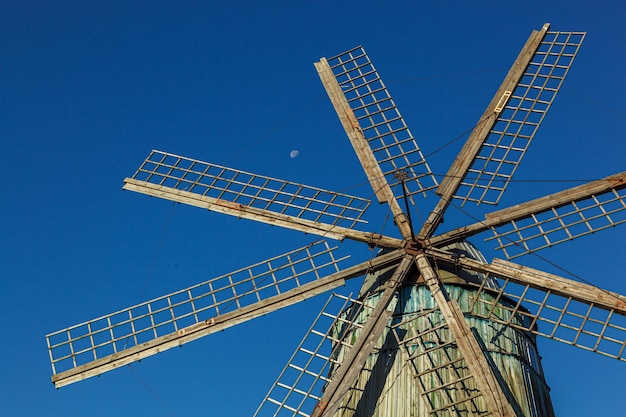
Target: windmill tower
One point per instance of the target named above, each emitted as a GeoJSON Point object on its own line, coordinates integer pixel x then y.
{"type": "Point", "coordinates": [436, 328]}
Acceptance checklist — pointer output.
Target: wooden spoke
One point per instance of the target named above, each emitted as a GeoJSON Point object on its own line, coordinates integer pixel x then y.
{"type": "Point", "coordinates": [352, 364]}
{"type": "Point", "coordinates": [242, 194]}
{"type": "Point", "coordinates": [484, 167]}
{"type": "Point", "coordinates": [548, 305]}
{"type": "Point", "coordinates": [552, 219]}
{"type": "Point", "coordinates": [128, 335]}
{"type": "Point", "coordinates": [497, 401]}
{"type": "Point", "coordinates": [377, 131]}
{"type": "Point", "coordinates": [259, 215]}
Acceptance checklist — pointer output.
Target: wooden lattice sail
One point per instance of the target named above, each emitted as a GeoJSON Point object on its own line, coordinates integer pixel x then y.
{"type": "Point", "coordinates": [436, 330]}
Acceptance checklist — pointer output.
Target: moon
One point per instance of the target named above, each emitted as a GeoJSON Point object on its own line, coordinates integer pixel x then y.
{"type": "Point", "coordinates": [294, 153]}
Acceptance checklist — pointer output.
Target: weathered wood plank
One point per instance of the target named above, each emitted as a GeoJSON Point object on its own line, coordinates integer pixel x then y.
{"type": "Point", "coordinates": [263, 216]}
{"type": "Point", "coordinates": [540, 280]}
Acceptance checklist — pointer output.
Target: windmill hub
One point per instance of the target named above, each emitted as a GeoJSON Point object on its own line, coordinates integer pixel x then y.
{"type": "Point", "coordinates": [414, 246]}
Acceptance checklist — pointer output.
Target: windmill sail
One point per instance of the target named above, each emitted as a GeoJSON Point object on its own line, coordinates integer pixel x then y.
{"type": "Point", "coordinates": [100, 345]}
{"type": "Point", "coordinates": [374, 115]}
{"type": "Point", "coordinates": [550, 306]}
{"type": "Point", "coordinates": [128, 335]}
{"type": "Point", "coordinates": [299, 386]}
{"type": "Point", "coordinates": [552, 219]}
{"type": "Point", "coordinates": [246, 195]}
{"type": "Point", "coordinates": [491, 155]}
{"type": "Point", "coordinates": [560, 217]}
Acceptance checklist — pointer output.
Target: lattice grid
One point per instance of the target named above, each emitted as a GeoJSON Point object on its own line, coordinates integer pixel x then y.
{"type": "Point", "coordinates": [516, 125]}
{"type": "Point", "coordinates": [380, 121]}
{"type": "Point", "coordinates": [299, 386]}
{"type": "Point", "coordinates": [562, 318]}
{"type": "Point", "coordinates": [562, 223]}
{"type": "Point", "coordinates": [110, 334]}
{"type": "Point", "coordinates": [252, 190]}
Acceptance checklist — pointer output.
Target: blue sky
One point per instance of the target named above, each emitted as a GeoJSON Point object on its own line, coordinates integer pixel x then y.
{"type": "Point", "coordinates": [87, 89]}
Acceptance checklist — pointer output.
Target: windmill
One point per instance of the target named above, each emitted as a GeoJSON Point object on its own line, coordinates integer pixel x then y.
{"type": "Point", "coordinates": [459, 329]}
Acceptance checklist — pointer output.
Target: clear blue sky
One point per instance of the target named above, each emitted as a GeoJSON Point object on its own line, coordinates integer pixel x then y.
{"type": "Point", "coordinates": [87, 89]}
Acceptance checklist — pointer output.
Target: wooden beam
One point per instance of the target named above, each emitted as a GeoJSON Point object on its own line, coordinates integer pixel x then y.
{"type": "Point", "coordinates": [451, 182]}
{"type": "Point", "coordinates": [222, 322]}
{"type": "Point", "coordinates": [263, 216]}
{"type": "Point", "coordinates": [540, 280]}
{"type": "Point", "coordinates": [533, 207]}
{"type": "Point", "coordinates": [361, 146]}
